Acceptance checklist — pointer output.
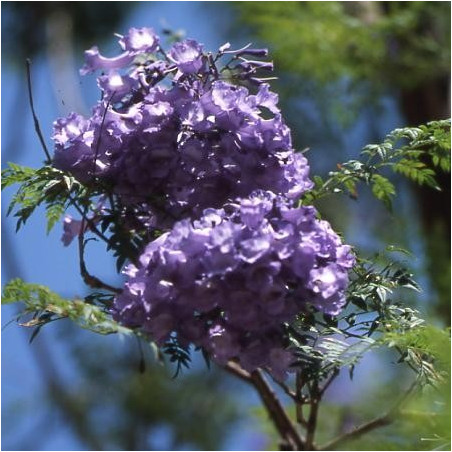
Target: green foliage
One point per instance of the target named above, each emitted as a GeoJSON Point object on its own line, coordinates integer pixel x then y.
{"type": "Point", "coordinates": [123, 242]}
{"type": "Point", "coordinates": [424, 422]}
{"type": "Point", "coordinates": [16, 174]}
{"type": "Point", "coordinates": [91, 313]}
{"type": "Point", "coordinates": [417, 172]}
{"type": "Point", "coordinates": [45, 186]}
{"type": "Point", "coordinates": [383, 189]}
{"type": "Point", "coordinates": [415, 152]}
{"type": "Point", "coordinates": [425, 341]}
{"type": "Point", "coordinates": [338, 58]}
{"type": "Point", "coordinates": [46, 306]}
{"type": "Point", "coordinates": [178, 354]}
{"type": "Point", "coordinates": [330, 41]}
{"type": "Point", "coordinates": [56, 191]}
{"type": "Point", "coordinates": [373, 314]}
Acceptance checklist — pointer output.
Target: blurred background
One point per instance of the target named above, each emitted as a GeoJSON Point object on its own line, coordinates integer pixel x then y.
{"type": "Point", "coordinates": [349, 72]}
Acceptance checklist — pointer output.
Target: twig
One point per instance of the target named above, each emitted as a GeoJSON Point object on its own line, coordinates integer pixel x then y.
{"type": "Point", "coordinates": [92, 226]}
{"type": "Point", "coordinates": [410, 365]}
{"type": "Point", "coordinates": [235, 369]}
{"type": "Point", "coordinates": [301, 400]}
{"type": "Point", "coordinates": [284, 426]}
{"type": "Point", "coordinates": [91, 281]}
{"type": "Point", "coordinates": [35, 118]}
{"type": "Point", "coordinates": [379, 421]}
{"type": "Point", "coordinates": [329, 381]}
{"type": "Point", "coordinates": [96, 153]}
{"type": "Point", "coordinates": [315, 397]}
{"type": "Point", "coordinates": [288, 391]}
{"type": "Point", "coordinates": [90, 223]}
{"type": "Point", "coordinates": [46, 151]}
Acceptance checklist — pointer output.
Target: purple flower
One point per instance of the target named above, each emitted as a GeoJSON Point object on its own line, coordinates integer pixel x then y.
{"type": "Point", "coordinates": [152, 146]}
{"type": "Point", "coordinates": [140, 40]}
{"type": "Point", "coordinates": [249, 267]}
{"type": "Point", "coordinates": [254, 209]}
{"type": "Point", "coordinates": [65, 130]}
{"type": "Point", "coordinates": [187, 55]}
{"type": "Point", "coordinates": [116, 86]}
{"type": "Point", "coordinates": [210, 166]}
{"type": "Point", "coordinates": [268, 99]}
{"type": "Point", "coordinates": [222, 344]}
{"type": "Point", "coordinates": [71, 229]}
{"type": "Point", "coordinates": [74, 137]}
{"type": "Point", "coordinates": [94, 61]}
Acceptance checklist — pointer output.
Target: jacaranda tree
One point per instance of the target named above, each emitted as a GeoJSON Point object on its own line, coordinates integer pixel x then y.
{"type": "Point", "coordinates": [186, 171]}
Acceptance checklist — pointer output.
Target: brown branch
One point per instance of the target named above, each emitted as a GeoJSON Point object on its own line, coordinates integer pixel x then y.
{"type": "Point", "coordinates": [90, 223]}
{"type": "Point", "coordinates": [286, 429]}
{"type": "Point", "coordinates": [282, 422]}
{"type": "Point", "coordinates": [379, 421]}
{"type": "Point", "coordinates": [235, 369]}
{"type": "Point", "coordinates": [300, 400]}
{"type": "Point", "coordinates": [90, 280]}
{"type": "Point", "coordinates": [311, 427]}
{"type": "Point", "coordinates": [288, 391]}
{"type": "Point", "coordinates": [359, 431]}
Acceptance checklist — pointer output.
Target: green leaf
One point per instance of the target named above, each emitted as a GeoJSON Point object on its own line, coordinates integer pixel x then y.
{"type": "Point", "coordinates": [383, 189]}
{"type": "Point", "coordinates": [48, 306]}
{"type": "Point", "coordinates": [415, 152]}
{"type": "Point", "coordinates": [381, 150]}
{"type": "Point", "coordinates": [46, 186]}
{"type": "Point", "coordinates": [398, 249]}
{"type": "Point", "coordinates": [16, 174]}
{"type": "Point", "coordinates": [416, 171]}
{"type": "Point", "coordinates": [178, 354]}
{"type": "Point", "coordinates": [423, 345]}
{"type": "Point", "coordinates": [54, 213]}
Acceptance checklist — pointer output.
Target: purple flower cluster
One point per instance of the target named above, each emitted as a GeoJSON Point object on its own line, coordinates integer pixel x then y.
{"type": "Point", "coordinates": [230, 280]}
{"type": "Point", "coordinates": [174, 134]}
{"type": "Point", "coordinates": [210, 161]}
